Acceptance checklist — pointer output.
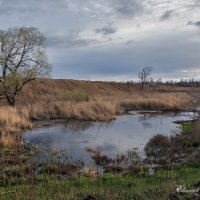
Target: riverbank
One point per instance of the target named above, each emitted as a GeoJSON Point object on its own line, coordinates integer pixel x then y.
{"type": "Point", "coordinates": [63, 182]}
{"type": "Point", "coordinates": [86, 100]}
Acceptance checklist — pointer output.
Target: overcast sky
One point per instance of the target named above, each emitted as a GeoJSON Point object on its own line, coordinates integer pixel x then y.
{"type": "Point", "coordinates": [113, 39]}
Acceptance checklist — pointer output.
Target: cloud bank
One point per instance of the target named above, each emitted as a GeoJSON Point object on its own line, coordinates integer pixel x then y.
{"type": "Point", "coordinates": [113, 39]}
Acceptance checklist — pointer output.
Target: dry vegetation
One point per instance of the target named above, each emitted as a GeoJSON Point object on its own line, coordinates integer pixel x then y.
{"type": "Point", "coordinates": [85, 100]}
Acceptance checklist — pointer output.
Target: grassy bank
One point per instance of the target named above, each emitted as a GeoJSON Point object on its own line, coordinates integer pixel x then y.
{"type": "Point", "coordinates": [183, 148]}
{"type": "Point", "coordinates": [159, 186]}
{"type": "Point", "coordinates": [85, 100]}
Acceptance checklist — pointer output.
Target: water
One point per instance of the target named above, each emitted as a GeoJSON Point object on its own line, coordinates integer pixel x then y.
{"type": "Point", "coordinates": [68, 140]}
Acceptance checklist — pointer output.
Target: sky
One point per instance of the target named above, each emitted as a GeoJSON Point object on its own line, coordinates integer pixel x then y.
{"type": "Point", "coordinates": [113, 40]}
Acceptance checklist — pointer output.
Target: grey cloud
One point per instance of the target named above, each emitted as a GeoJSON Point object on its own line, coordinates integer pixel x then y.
{"type": "Point", "coordinates": [128, 8]}
{"type": "Point", "coordinates": [106, 30]}
{"type": "Point", "coordinates": [130, 42]}
{"type": "Point", "coordinates": [109, 8]}
{"type": "Point", "coordinates": [70, 40]}
{"type": "Point", "coordinates": [166, 15]}
{"type": "Point", "coordinates": [21, 7]}
{"type": "Point", "coordinates": [196, 3]}
{"type": "Point", "coordinates": [197, 23]}
{"type": "Point", "coordinates": [168, 55]}
{"type": "Point", "coordinates": [190, 23]}
{"type": "Point", "coordinates": [119, 8]}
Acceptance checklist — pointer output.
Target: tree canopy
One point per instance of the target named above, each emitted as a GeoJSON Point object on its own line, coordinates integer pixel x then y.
{"type": "Point", "coordinates": [22, 59]}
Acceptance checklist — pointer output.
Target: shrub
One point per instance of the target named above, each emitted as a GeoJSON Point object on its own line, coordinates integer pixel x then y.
{"type": "Point", "coordinates": [158, 146]}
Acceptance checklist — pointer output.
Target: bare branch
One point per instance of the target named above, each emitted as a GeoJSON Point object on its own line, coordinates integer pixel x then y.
{"type": "Point", "coordinates": [144, 75]}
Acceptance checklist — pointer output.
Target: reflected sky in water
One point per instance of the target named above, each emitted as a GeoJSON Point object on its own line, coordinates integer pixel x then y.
{"type": "Point", "coordinates": [70, 138]}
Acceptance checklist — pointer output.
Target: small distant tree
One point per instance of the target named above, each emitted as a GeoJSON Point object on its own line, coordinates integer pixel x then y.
{"type": "Point", "coordinates": [159, 81]}
{"type": "Point", "coordinates": [22, 59]}
{"type": "Point", "coordinates": [144, 75]}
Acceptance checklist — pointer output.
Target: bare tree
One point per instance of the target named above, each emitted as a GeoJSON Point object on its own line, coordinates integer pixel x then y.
{"type": "Point", "coordinates": [22, 59]}
{"type": "Point", "coordinates": [144, 75]}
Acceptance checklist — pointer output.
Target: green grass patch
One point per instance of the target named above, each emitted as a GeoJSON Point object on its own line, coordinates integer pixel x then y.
{"type": "Point", "coordinates": [188, 127]}
{"type": "Point", "coordinates": [103, 187]}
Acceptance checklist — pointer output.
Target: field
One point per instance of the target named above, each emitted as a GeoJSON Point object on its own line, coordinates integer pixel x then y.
{"type": "Point", "coordinates": [85, 100]}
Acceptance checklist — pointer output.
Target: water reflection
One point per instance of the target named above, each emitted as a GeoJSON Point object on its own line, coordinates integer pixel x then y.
{"type": "Point", "coordinates": [144, 120]}
{"type": "Point", "coordinates": [70, 139]}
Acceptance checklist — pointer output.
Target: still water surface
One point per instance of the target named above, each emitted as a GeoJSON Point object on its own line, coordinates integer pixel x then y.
{"type": "Point", "coordinates": [68, 140]}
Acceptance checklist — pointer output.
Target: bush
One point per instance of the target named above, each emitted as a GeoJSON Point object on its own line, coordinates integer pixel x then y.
{"type": "Point", "coordinates": [158, 146]}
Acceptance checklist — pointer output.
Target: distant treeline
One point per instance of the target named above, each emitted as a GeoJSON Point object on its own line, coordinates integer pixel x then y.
{"type": "Point", "coordinates": [181, 83]}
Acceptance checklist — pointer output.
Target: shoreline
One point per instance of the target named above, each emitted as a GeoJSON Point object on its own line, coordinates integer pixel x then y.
{"type": "Point", "coordinates": [139, 111]}
{"type": "Point", "coordinates": [135, 112]}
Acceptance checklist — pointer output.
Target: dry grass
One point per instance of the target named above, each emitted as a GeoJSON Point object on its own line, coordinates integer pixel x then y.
{"type": "Point", "coordinates": [7, 139]}
{"type": "Point", "coordinates": [85, 100]}
{"type": "Point", "coordinates": [12, 119]}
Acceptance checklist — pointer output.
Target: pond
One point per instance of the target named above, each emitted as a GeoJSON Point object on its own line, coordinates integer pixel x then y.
{"type": "Point", "coordinates": [72, 141]}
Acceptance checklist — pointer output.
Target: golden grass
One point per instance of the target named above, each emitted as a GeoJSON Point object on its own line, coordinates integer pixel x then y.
{"type": "Point", "coordinates": [11, 119]}
{"type": "Point", "coordinates": [7, 139]}
{"type": "Point", "coordinates": [85, 100]}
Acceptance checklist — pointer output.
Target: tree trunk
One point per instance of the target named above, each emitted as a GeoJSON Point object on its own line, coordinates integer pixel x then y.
{"type": "Point", "coordinates": [142, 86]}
{"type": "Point", "coordinates": [10, 101]}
